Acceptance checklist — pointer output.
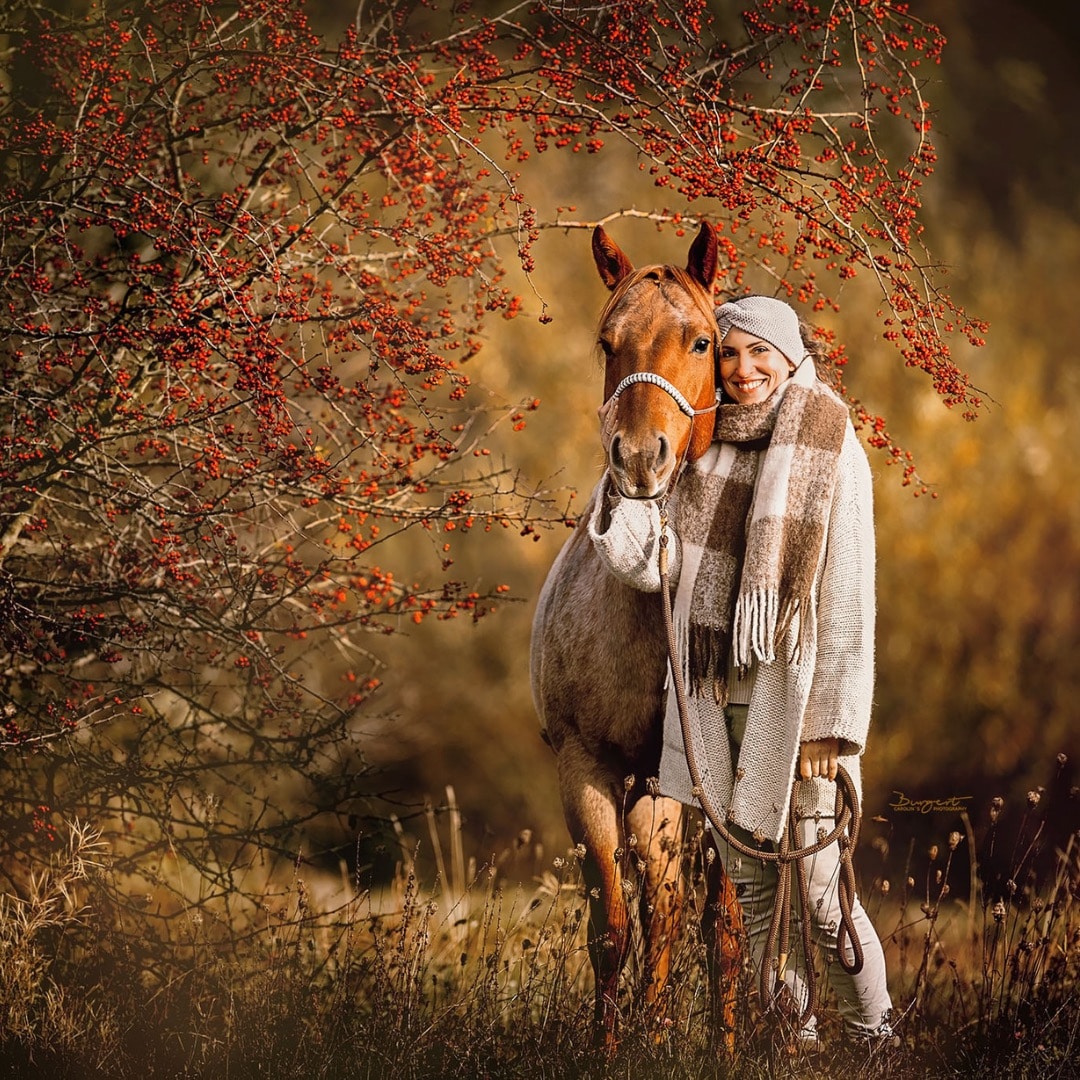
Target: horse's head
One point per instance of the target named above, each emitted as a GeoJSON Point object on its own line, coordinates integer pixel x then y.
{"type": "Point", "coordinates": [658, 334]}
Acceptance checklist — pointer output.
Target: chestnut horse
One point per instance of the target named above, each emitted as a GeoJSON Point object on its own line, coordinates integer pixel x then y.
{"type": "Point", "coordinates": [599, 647]}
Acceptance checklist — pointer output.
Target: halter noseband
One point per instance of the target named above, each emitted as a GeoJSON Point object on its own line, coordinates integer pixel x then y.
{"type": "Point", "coordinates": [670, 389]}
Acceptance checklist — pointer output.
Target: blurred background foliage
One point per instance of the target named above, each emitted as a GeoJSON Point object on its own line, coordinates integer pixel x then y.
{"type": "Point", "coordinates": [979, 583]}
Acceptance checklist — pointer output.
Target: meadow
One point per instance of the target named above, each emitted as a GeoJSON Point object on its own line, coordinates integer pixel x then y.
{"type": "Point", "coordinates": [465, 967]}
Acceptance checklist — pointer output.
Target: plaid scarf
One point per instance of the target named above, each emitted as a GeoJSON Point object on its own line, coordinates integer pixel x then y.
{"type": "Point", "coordinates": [751, 517]}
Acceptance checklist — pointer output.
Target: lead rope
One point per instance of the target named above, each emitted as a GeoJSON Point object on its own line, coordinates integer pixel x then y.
{"type": "Point", "coordinates": [845, 834]}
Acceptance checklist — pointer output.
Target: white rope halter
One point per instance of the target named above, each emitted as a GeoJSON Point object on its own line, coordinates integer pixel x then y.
{"type": "Point", "coordinates": [670, 389]}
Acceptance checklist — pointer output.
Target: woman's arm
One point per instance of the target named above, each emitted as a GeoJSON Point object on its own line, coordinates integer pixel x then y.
{"type": "Point", "coordinates": [626, 534]}
{"type": "Point", "coordinates": [841, 693]}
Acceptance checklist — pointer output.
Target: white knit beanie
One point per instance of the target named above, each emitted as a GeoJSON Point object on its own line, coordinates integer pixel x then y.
{"type": "Point", "coordinates": [771, 320]}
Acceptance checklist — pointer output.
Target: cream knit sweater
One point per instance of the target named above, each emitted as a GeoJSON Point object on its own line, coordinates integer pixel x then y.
{"type": "Point", "coordinates": [827, 693]}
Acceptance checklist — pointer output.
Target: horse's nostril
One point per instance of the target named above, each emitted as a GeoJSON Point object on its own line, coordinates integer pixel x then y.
{"type": "Point", "coordinates": [663, 451]}
{"type": "Point", "coordinates": [614, 451]}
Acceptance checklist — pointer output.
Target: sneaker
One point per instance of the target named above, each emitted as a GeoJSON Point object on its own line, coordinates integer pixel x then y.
{"type": "Point", "coordinates": [880, 1039]}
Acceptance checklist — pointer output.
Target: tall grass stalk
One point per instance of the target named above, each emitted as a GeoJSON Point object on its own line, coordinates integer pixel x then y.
{"type": "Point", "coordinates": [477, 966]}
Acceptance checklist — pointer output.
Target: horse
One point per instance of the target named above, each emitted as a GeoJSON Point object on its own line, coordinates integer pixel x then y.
{"type": "Point", "coordinates": [599, 647]}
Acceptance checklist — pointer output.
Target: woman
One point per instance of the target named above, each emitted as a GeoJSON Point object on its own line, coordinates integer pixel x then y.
{"type": "Point", "coordinates": [772, 548]}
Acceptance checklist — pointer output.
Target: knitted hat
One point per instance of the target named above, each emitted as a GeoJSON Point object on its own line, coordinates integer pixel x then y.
{"type": "Point", "coordinates": [771, 320]}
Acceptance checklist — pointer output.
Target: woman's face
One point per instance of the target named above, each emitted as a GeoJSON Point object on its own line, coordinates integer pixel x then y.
{"type": "Point", "coordinates": [750, 368]}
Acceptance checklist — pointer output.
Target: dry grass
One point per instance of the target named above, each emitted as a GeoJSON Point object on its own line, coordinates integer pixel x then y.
{"type": "Point", "coordinates": [478, 976]}
{"type": "Point", "coordinates": [49, 920]}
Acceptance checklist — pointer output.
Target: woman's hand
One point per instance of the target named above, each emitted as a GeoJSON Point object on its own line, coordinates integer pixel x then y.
{"type": "Point", "coordinates": [819, 758]}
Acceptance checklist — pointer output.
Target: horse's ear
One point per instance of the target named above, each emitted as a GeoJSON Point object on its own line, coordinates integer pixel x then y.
{"type": "Point", "coordinates": [610, 261]}
{"type": "Point", "coordinates": [702, 262]}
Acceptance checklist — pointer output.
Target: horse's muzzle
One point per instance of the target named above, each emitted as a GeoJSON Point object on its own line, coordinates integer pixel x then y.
{"type": "Point", "coordinates": [640, 467]}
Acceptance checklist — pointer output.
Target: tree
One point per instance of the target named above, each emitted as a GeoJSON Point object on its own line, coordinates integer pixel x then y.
{"type": "Point", "coordinates": [244, 272]}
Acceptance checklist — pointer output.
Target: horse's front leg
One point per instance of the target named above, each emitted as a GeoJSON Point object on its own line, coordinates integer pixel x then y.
{"type": "Point", "coordinates": [656, 823]}
{"type": "Point", "coordinates": [593, 818]}
{"type": "Point", "coordinates": [724, 936]}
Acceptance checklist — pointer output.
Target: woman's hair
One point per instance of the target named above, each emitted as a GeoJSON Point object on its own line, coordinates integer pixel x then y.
{"type": "Point", "coordinates": [815, 349]}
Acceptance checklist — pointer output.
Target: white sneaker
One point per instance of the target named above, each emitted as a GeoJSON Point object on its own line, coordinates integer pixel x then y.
{"type": "Point", "coordinates": [883, 1037]}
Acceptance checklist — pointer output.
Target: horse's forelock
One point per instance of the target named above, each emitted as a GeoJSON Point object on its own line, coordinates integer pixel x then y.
{"type": "Point", "coordinates": [675, 274]}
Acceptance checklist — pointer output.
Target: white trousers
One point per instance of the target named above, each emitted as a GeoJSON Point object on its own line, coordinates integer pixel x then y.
{"type": "Point", "coordinates": [863, 998]}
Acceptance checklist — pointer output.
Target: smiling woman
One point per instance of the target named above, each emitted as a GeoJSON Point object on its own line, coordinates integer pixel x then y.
{"type": "Point", "coordinates": [750, 368]}
{"type": "Point", "coordinates": [761, 345]}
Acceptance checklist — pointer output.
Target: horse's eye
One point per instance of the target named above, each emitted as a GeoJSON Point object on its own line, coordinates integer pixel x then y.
{"type": "Point", "coordinates": [606, 346]}
{"type": "Point", "coordinates": [701, 346]}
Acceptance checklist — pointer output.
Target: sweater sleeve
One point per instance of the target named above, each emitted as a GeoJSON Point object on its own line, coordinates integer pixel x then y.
{"type": "Point", "coordinates": [841, 692]}
{"type": "Point", "coordinates": [626, 535]}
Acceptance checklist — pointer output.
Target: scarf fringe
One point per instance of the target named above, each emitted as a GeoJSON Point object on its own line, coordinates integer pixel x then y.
{"type": "Point", "coordinates": [761, 622]}
{"type": "Point", "coordinates": [704, 654]}
{"type": "Point", "coordinates": [754, 627]}
{"type": "Point", "coordinates": [760, 625]}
